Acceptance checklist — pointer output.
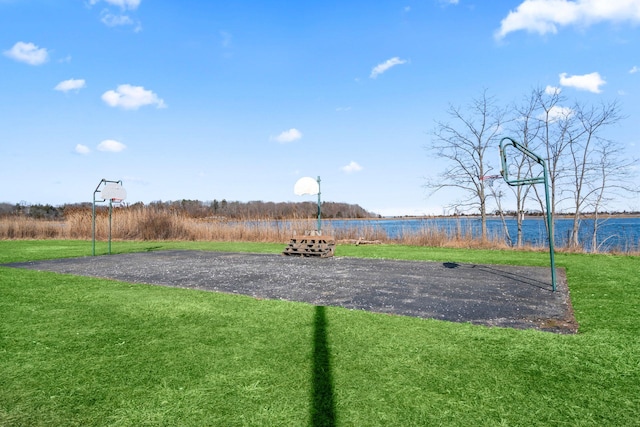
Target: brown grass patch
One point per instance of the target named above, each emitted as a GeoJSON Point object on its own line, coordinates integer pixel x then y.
{"type": "Point", "coordinates": [144, 223]}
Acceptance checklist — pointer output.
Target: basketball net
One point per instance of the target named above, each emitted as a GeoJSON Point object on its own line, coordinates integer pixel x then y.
{"type": "Point", "coordinates": [489, 179]}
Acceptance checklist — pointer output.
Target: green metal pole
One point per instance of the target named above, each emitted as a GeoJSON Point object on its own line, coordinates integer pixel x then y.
{"type": "Point", "coordinates": [319, 209]}
{"type": "Point", "coordinates": [110, 204]}
{"type": "Point", "coordinates": [549, 226]}
{"type": "Point", "coordinates": [93, 219]}
{"type": "Point", "coordinates": [93, 226]}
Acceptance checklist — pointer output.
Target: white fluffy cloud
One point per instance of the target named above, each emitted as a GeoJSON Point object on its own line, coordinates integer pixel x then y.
{"type": "Point", "coordinates": [545, 16]}
{"type": "Point", "coordinates": [111, 146]}
{"type": "Point", "coordinates": [557, 113]}
{"type": "Point", "coordinates": [28, 53]}
{"type": "Point", "coordinates": [634, 70]}
{"type": "Point", "coordinates": [118, 19]}
{"type": "Point", "coordinates": [381, 68]}
{"type": "Point", "coordinates": [71, 84]}
{"type": "Point", "coordinates": [352, 167]}
{"type": "Point", "coordinates": [590, 82]}
{"type": "Point", "coordinates": [290, 135]}
{"type": "Point", "coordinates": [124, 4]}
{"type": "Point", "coordinates": [82, 149]}
{"type": "Point", "coordinates": [552, 90]}
{"type": "Point", "coordinates": [131, 97]}
{"type": "Point", "coordinates": [111, 20]}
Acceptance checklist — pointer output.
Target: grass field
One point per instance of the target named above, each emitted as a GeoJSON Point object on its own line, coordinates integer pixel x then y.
{"type": "Point", "coordinates": [78, 351]}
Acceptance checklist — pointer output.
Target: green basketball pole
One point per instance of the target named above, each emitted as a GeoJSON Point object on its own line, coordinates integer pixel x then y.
{"type": "Point", "coordinates": [103, 182]}
{"type": "Point", "coordinates": [319, 210]}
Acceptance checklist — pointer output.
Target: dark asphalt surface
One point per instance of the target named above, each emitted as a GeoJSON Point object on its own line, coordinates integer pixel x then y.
{"type": "Point", "coordinates": [492, 295]}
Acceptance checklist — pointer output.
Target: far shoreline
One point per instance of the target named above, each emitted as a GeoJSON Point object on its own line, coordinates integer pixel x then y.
{"type": "Point", "coordinates": [476, 216]}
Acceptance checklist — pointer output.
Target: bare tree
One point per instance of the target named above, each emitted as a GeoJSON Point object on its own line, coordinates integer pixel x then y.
{"type": "Point", "coordinates": [496, 192]}
{"type": "Point", "coordinates": [614, 172]}
{"type": "Point", "coordinates": [585, 169]}
{"type": "Point", "coordinates": [463, 145]}
{"type": "Point", "coordinates": [585, 148]}
{"type": "Point", "coordinates": [556, 123]}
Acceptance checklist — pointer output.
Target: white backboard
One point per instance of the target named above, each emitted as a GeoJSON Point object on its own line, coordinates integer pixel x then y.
{"type": "Point", "coordinates": [113, 190]}
{"type": "Point", "coordinates": [306, 186]}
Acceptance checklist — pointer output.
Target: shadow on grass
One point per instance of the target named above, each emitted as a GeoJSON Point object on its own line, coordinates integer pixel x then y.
{"type": "Point", "coordinates": [322, 402]}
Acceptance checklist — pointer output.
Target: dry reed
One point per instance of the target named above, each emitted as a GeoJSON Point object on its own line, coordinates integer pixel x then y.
{"type": "Point", "coordinates": [29, 228]}
{"type": "Point", "coordinates": [145, 224]}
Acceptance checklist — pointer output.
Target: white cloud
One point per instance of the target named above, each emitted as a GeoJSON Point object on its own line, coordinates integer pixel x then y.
{"type": "Point", "coordinates": [82, 149]}
{"type": "Point", "coordinates": [290, 135]}
{"type": "Point", "coordinates": [590, 82]}
{"type": "Point", "coordinates": [557, 113]}
{"type": "Point", "coordinates": [71, 84]}
{"type": "Point", "coordinates": [28, 53]}
{"type": "Point", "coordinates": [381, 68]}
{"type": "Point", "coordinates": [545, 16]}
{"type": "Point", "coordinates": [111, 146]}
{"type": "Point", "coordinates": [131, 97]}
{"type": "Point", "coordinates": [450, 1]}
{"type": "Point", "coordinates": [111, 20]}
{"type": "Point", "coordinates": [634, 70]}
{"type": "Point", "coordinates": [552, 90]}
{"type": "Point", "coordinates": [352, 167]}
{"type": "Point", "coordinates": [123, 4]}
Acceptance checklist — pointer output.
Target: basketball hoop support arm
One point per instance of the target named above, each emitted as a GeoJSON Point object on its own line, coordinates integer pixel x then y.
{"type": "Point", "coordinates": [505, 142]}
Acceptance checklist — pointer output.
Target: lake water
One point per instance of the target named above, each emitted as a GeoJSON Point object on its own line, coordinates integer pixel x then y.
{"type": "Point", "coordinates": [621, 234]}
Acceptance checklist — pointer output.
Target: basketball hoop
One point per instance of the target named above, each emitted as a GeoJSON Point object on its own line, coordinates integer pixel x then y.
{"type": "Point", "coordinates": [114, 193]}
{"type": "Point", "coordinates": [490, 178]}
{"type": "Point", "coordinates": [544, 179]}
{"type": "Point", "coordinates": [309, 186]}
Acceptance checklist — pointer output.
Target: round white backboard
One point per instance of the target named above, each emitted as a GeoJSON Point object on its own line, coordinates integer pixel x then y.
{"type": "Point", "coordinates": [112, 190]}
{"type": "Point", "coordinates": [305, 186]}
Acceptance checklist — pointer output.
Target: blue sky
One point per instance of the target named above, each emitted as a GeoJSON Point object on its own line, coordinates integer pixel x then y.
{"type": "Point", "coordinates": [238, 100]}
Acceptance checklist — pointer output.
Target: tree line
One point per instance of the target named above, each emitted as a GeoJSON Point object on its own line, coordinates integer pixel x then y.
{"type": "Point", "coordinates": [217, 209]}
{"type": "Point", "coordinates": [587, 169]}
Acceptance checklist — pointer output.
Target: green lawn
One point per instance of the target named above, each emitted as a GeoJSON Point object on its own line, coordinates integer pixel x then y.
{"type": "Point", "coordinates": [83, 351]}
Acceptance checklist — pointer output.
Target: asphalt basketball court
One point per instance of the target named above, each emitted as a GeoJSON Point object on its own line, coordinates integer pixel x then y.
{"type": "Point", "coordinates": [492, 295]}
